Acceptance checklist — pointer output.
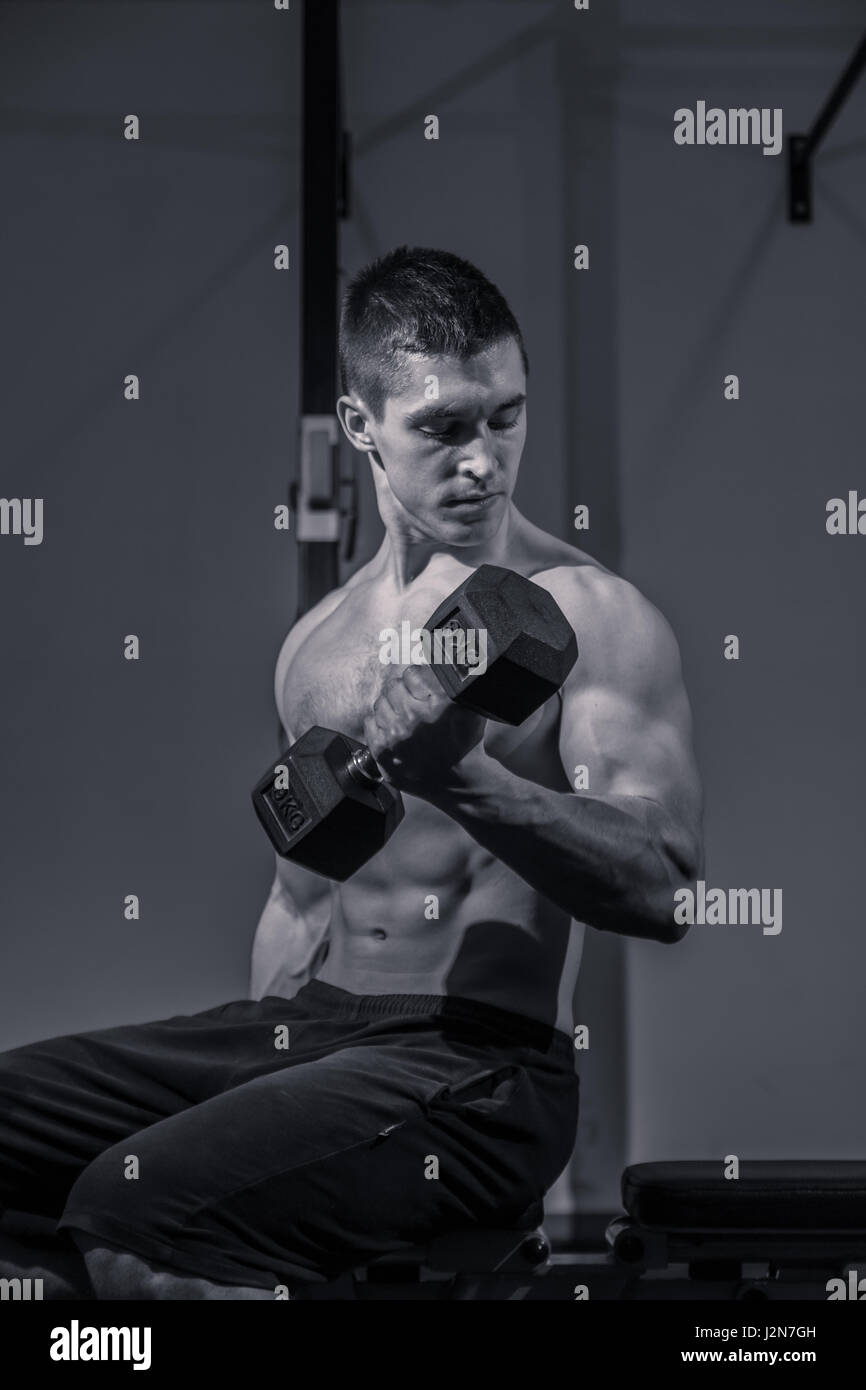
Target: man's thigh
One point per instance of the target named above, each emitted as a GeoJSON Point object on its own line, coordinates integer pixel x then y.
{"type": "Point", "coordinates": [64, 1100]}
{"type": "Point", "coordinates": [303, 1172]}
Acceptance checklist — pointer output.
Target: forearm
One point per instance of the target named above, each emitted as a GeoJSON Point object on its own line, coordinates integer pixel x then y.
{"type": "Point", "coordinates": [605, 865]}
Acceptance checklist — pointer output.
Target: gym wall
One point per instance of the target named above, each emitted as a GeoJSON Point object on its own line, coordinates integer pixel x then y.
{"type": "Point", "coordinates": [153, 257]}
{"type": "Point", "coordinates": [741, 1042]}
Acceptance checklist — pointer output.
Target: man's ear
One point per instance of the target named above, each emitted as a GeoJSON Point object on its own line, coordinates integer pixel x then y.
{"type": "Point", "coordinates": [354, 417]}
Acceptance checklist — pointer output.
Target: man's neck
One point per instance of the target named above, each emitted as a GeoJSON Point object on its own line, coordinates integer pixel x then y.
{"type": "Point", "coordinates": [403, 557]}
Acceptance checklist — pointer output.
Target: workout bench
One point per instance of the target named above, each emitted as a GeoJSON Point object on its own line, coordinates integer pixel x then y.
{"type": "Point", "coordinates": [780, 1231]}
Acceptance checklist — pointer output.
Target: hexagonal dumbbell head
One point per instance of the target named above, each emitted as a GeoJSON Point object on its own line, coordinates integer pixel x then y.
{"type": "Point", "coordinates": [330, 811]}
{"type": "Point", "coordinates": [531, 646]}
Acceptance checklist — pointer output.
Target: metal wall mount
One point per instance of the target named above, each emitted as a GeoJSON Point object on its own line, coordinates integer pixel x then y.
{"type": "Point", "coordinates": [802, 147]}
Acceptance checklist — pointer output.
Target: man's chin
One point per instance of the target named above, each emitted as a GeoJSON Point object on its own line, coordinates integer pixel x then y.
{"type": "Point", "coordinates": [470, 526]}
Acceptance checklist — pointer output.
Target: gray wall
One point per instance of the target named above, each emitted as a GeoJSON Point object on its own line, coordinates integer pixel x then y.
{"type": "Point", "coordinates": [740, 1042]}
{"type": "Point", "coordinates": [156, 258]}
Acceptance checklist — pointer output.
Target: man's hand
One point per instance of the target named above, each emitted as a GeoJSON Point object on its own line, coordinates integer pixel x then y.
{"type": "Point", "coordinates": [415, 732]}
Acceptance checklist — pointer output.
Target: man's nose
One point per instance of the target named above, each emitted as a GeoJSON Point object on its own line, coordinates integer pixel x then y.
{"type": "Point", "coordinates": [480, 462]}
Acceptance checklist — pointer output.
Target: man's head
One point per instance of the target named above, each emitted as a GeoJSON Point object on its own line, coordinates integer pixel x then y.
{"type": "Point", "coordinates": [434, 374]}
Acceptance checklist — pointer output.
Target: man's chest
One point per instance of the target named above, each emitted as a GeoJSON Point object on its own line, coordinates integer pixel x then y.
{"type": "Point", "coordinates": [336, 675]}
{"type": "Point", "coordinates": [332, 683]}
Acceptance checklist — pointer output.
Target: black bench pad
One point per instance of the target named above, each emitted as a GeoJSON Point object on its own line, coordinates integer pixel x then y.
{"type": "Point", "coordinates": [769, 1195]}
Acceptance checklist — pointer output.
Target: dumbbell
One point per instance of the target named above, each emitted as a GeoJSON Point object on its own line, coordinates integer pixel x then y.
{"type": "Point", "coordinates": [331, 810]}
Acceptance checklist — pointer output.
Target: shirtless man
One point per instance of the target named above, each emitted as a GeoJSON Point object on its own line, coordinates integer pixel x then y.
{"type": "Point", "coordinates": [427, 1078]}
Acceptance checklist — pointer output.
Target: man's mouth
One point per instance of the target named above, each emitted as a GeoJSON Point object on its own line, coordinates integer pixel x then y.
{"type": "Point", "coordinates": [473, 499]}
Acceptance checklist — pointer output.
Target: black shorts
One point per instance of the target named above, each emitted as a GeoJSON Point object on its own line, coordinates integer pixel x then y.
{"type": "Point", "coordinates": [281, 1139]}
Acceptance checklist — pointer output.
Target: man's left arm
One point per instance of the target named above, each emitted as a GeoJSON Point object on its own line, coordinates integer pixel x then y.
{"type": "Point", "coordinates": [614, 854]}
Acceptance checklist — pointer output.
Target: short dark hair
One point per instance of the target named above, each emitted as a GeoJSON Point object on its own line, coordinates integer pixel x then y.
{"type": "Point", "coordinates": [416, 299]}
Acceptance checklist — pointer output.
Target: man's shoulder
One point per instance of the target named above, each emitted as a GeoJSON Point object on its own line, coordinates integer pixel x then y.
{"type": "Point", "coordinates": [618, 628]}
{"type": "Point", "coordinates": [575, 578]}
{"type": "Point", "coordinates": [582, 585]}
{"type": "Point", "coordinates": [326, 606]}
{"type": "Point", "coordinates": [306, 625]}
{"type": "Point", "coordinates": [309, 621]}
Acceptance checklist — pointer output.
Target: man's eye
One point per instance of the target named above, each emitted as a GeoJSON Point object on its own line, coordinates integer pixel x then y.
{"type": "Point", "coordinates": [451, 431]}
{"type": "Point", "coordinates": [448, 432]}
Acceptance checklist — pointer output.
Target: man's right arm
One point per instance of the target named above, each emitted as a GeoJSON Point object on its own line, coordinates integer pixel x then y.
{"type": "Point", "coordinates": [292, 935]}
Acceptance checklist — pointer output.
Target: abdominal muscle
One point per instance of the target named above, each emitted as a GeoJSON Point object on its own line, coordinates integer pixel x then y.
{"type": "Point", "coordinates": [434, 913]}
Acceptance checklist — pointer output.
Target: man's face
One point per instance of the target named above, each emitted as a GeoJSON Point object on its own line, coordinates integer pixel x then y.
{"type": "Point", "coordinates": [451, 461]}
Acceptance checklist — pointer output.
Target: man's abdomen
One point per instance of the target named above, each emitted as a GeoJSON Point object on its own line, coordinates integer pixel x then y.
{"type": "Point", "coordinates": [434, 913]}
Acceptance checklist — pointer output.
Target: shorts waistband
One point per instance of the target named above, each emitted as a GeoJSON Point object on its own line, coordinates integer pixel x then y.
{"type": "Point", "coordinates": [509, 1027]}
